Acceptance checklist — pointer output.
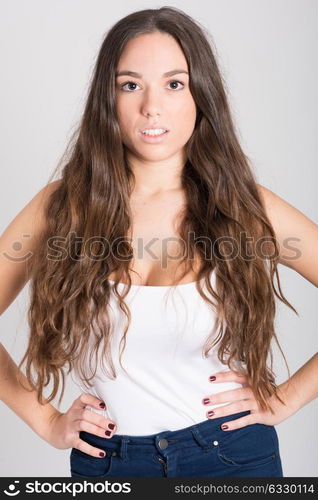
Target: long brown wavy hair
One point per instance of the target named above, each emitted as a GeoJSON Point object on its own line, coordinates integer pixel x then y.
{"type": "Point", "coordinates": [90, 205]}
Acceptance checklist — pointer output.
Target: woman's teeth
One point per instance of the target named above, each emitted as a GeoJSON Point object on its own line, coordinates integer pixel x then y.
{"type": "Point", "coordinates": [157, 131]}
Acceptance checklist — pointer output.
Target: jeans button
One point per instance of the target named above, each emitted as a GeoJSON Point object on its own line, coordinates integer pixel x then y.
{"type": "Point", "coordinates": [163, 444]}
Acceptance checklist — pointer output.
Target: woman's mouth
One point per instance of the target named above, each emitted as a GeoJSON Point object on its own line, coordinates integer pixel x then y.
{"type": "Point", "coordinates": [153, 136]}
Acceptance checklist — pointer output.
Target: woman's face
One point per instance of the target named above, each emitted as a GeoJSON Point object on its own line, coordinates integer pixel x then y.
{"type": "Point", "coordinates": [153, 99]}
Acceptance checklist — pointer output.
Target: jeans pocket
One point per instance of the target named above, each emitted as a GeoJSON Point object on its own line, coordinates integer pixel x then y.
{"type": "Point", "coordinates": [84, 465]}
{"type": "Point", "coordinates": [250, 446]}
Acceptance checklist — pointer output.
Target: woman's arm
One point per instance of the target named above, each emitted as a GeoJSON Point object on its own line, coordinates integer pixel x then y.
{"type": "Point", "coordinates": [17, 247]}
{"type": "Point", "coordinates": [21, 401]}
{"type": "Point", "coordinates": [296, 392]}
{"type": "Point", "coordinates": [297, 238]}
{"type": "Point", "coordinates": [302, 387]}
{"type": "Point", "coordinates": [61, 430]}
{"type": "Point", "coordinates": [296, 235]}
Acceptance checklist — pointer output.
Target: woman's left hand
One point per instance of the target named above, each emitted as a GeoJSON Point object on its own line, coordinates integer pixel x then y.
{"type": "Point", "coordinates": [243, 399]}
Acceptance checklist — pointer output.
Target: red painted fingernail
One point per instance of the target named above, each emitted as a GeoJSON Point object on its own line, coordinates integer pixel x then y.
{"type": "Point", "coordinates": [212, 378]}
{"type": "Point", "coordinates": [111, 426]}
{"type": "Point", "coordinates": [108, 433]}
{"type": "Point", "coordinates": [102, 405]}
{"type": "Point", "coordinates": [102, 454]}
{"type": "Point", "coordinates": [205, 401]}
{"type": "Point", "coordinates": [210, 413]}
{"type": "Point", "coordinates": [224, 426]}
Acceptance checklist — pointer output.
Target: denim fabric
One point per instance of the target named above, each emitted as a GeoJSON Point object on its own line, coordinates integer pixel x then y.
{"type": "Point", "coordinates": [201, 450]}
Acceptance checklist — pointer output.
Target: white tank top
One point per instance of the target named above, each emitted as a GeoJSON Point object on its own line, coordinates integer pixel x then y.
{"type": "Point", "coordinates": [168, 376]}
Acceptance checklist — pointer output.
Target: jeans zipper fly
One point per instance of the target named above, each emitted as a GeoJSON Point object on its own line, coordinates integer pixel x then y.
{"type": "Point", "coordinates": [164, 465]}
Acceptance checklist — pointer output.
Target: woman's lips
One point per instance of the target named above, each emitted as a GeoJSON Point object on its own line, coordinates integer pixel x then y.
{"type": "Point", "coordinates": [154, 139]}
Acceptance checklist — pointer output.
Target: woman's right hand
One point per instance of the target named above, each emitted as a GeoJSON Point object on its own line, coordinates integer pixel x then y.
{"type": "Point", "coordinates": [65, 427]}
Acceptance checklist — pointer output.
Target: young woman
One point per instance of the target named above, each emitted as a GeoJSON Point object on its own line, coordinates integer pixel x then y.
{"type": "Point", "coordinates": [152, 263]}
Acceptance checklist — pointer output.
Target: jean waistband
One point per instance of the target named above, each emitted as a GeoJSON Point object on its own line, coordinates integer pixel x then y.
{"type": "Point", "coordinates": [200, 433]}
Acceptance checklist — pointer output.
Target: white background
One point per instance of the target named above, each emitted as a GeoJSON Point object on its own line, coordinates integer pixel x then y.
{"type": "Point", "coordinates": [267, 51]}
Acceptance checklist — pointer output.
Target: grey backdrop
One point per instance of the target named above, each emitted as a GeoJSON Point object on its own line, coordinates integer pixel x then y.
{"type": "Point", "coordinates": [267, 51]}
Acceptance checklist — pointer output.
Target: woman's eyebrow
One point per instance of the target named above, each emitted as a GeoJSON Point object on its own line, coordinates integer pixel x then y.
{"type": "Point", "coordinates": [138, 75]}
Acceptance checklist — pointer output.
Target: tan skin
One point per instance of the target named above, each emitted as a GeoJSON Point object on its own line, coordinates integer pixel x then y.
{"type": "Point", "coordinates": [157, 168]}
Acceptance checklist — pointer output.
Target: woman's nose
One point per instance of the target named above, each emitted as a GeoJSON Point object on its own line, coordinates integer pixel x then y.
{"type": "Point", "coordinates": [152, 103]}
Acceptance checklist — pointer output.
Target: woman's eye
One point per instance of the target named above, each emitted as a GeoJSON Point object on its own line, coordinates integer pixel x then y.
{"type": "Point", "coordinates": [129, 89]}
{"type": "Point", "coordinates": [176, 81]}
{"type": "Point", "coordinates": [128, 83]}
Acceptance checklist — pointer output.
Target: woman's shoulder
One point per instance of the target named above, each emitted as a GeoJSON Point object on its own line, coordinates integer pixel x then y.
{"type": "Point", "coordinates": [296, 234]}
{"type": "Point", "coordinates": [18, 244]}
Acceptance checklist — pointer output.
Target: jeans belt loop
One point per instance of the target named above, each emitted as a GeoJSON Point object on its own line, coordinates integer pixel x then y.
{"type": "Point", "coordinates": [200, 439]}
{"type": "Point", "coordinates": [123, 448]}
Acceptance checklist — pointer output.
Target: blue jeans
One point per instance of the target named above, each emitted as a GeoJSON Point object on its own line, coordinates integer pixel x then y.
{"type": "Point", "coordinates": [201, 450]}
